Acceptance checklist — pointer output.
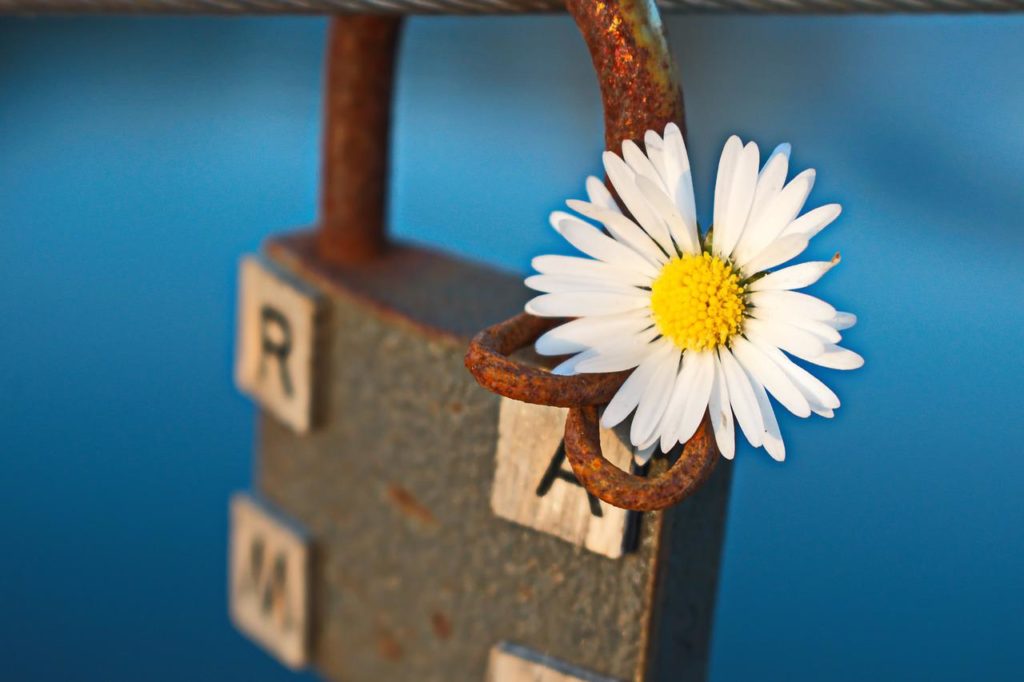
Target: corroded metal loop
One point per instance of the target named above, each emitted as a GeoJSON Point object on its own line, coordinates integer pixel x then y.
{"type": "Point", "coordinates": [635, 70]}
{"type": "Point", "coordinates": [489, 362]}
{"type": "Point", "coordinates": [628, 491]}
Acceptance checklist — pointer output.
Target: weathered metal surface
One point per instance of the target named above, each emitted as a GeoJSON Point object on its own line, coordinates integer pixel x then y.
{"type": "Point", "coordinates": [606, 481]}
{"type": "Point", "coordinates": [494, 6]}
{"type": "Point", "coordinates": [414, 577]}
{"type": "Point", "coordinates": [393, 285]}
{"type": "Point", "coordinates": [360, 67]}
{"type": "Point", "coordinates": [687, 581]}
{"type": "Point", "coordinates": [639, 86]}
{"type": "Point", "coordinates": [403, 413]}
{"type": "Point", "coordinates": [488, 361]}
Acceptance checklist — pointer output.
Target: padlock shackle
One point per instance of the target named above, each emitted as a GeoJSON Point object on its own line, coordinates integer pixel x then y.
{"type": "Point", "coordinates": [639, 91]}
{"type": "Point", "coordinates": [635, 70]}
{"type": "Point", "coordinates": [359, 78]}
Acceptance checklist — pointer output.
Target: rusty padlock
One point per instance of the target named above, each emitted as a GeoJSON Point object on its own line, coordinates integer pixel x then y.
{"type": "Point", "coordinates": [424, 528]}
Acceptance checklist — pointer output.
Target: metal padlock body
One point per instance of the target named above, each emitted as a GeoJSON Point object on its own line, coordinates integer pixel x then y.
{"type": "Point", "coordinates": [413, 576]}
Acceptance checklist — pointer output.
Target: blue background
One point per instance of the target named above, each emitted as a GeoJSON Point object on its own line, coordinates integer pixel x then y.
{"type": "Point", "coordinates": [140, 157]}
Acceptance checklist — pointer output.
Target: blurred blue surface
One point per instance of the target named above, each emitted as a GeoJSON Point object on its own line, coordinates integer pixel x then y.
{"type": "Point", "coordinates": [140, 157]}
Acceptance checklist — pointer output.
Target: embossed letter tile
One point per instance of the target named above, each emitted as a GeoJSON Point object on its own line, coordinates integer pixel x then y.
{"type": "Point", "coordinates": [277, 341]}
{"type": "Point", "coordinates": [268, 580]}
{"type": "Point", "coordinates": [534, 484]}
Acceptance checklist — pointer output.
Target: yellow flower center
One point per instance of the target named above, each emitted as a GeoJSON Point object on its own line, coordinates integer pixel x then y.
{"type": "Point", "coordinates": [697, 302]}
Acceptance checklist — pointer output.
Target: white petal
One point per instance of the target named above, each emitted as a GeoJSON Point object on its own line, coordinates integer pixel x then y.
{"type": "Point", "coordinates": [666, 210]}
{"type": "Point", "coordinates": [600, 196]}
{"type": "Point", "coordinates": [777, 215]}
{"type": "Point", "coordinates": [640, 164]}
{"type": "Point", "coordinates": [626, 399]}
{"type": "Point", "coordinates": [819, 396]}
{"type": "Point", "coordinates": [624, 230]}
{"type": "Point", "coordinates": [629, 394]}
{"type": "Point", "coordinates": [619, 361]}
{"type": "Point", "coordinates": [654, 147]}
{"type": "Point", "coordinates": [843, 320]}
{"type": "Point", "coordinates": [677, 400]}
{"type": "Point", "coordinates": [582, 303]}
{"type": "Point", "coordinates": [568, 367]}
{"type": "Point", "coordinates": [814, 221]}
{"type": "Point", "coordinates": [769, 375]}
{"type": "Point", "coordinates": [697, 397]}
{"type": "Point", "coordinates": [769, 183]}
{"type": "Point", "coordinates": [772, 436]}
{"type": "Point", "coordinates": [556, 218]}
{"type": "Point", "coordinates": [784, 336]}
{"type": "Point", "coordinates": [721, 414]}
{"type": "Point", "coordinates": [589, 332]}
{"type": "Point", "coordinates": [741, 194]}
{"type": "Point", "coordinates": [624, 181]}
{"type": "Point", "coordinates": [790, 303]}
{"type": "Point", "coordinates": [685, 235]}
{"type": "Point", "coordinates": [622, 355]}
{"type": "Point", "coordinates": [553, 284]}
{"type": "Point", "coordinates": [590, 241]}
{"type": "Point", "coordinates": [648, 444]}
{"type": "Point", "coordinates": [776, 253]}
{"type": "Point", "coordinates": [835, 357]}
{"type": "Point", "coordinates": [574, 266]}
{"type": "Point", "coordinates": [821, 330]}
{"type": "Point", "coordinates": [643, 455]}
{"type": "Point", "coordinates": [723, 185]}
{"type": "Point", "coordinates": [677, 174]}
{"type": "Point", "coordinates": [655, 398]}
{"type": "Point", "coordinates": [795, 276]}
{"type": "Point", "coordinates": [742, 399]}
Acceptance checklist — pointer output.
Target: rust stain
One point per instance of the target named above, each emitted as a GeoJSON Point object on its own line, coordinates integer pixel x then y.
{"type": "Point", "coordinates": [441, 624]}
{"type": "Point", "coordinates": [388, 646]}
{"type": "Point", "coordinates": [406, 503]}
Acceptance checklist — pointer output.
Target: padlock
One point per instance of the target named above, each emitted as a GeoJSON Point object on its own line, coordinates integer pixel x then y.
{"type": "Point", "coordinates": [439, 530]}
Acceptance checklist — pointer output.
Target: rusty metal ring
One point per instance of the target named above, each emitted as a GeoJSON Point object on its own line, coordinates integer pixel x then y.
{"type": "Point", "coordinates": [488, 360]}
{"type": "Point", "coordinates": [640, 92]}
{"type": "Point", "coordinates": [628, 491]}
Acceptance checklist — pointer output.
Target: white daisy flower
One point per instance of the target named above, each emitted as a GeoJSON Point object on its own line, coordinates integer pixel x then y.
{"type": "Point", "coordinates": [706, 320]}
